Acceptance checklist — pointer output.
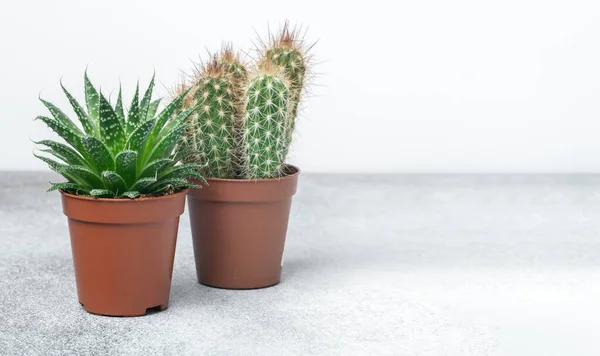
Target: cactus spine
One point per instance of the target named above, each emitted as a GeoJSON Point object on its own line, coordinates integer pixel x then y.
{"type": "Point", "coordinates": [265, 123]}
{"type": "Point", "coordinates": [233, 65]}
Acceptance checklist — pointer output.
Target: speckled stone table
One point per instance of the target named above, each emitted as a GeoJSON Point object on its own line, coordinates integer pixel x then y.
{"type": "Point", "coordinates": [374, 265]}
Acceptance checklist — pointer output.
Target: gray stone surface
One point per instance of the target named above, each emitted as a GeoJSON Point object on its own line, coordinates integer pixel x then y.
{"type": "Point", "coordinates": [374, 265]}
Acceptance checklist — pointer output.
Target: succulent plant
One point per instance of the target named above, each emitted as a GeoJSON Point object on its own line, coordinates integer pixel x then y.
{"type": "Point", "coordinates": [116, 155]}
{"type": "Point", "coordinates": [265, 124]}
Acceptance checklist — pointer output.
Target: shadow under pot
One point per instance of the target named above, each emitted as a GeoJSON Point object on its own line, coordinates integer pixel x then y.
{"type": "Point", "coordinates": [239, 228]}
{"type": "Point", "coordinates": [123, 251]}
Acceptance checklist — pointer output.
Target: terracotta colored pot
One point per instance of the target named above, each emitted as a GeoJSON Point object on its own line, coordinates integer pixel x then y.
{"type": "Point", "coordinates": [239, 228]}
{"type": "Point", "coordinates": [123, 251]}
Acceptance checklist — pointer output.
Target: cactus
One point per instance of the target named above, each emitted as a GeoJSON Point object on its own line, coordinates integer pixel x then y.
{"type": "Point", "coordinates": [286, 50]}
{"type": "Point", "coordinates": [265, 123]}
{"type": "Point", "coordinates": [213, 134]}
{"type": "Point", "coordinates": [251, 137]}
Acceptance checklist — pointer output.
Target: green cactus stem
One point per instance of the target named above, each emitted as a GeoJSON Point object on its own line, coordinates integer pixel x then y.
{"type": "Point", "coordinates": [286, 51]}
{"type": "Point", "coordinates": [265, 123]}
{"type": "Point", "coordinates": [212, 133]}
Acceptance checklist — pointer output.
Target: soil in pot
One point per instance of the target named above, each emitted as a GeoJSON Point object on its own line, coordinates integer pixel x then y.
{"type": "Point", "coordinates": [123, 251]}
{"type": "Point", "coordinates": [239, 229]}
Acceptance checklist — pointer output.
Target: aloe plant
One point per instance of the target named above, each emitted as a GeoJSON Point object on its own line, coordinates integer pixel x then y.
{"type": "Point", "coordinates": [116, 155]}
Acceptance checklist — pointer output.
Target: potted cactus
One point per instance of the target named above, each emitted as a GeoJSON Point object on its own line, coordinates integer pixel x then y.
{"type": "Point", "coordinates": [240, 132]}
{"type": "Point", "coordinates": [123, 196]}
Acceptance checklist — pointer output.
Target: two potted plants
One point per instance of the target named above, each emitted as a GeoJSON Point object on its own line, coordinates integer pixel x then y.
{"type": "Point", "coordinates": [123, 196]}
{"type": "Point", "coordinates": [128, 172]}
{"type": "Point", "coordinates": [240, 132]}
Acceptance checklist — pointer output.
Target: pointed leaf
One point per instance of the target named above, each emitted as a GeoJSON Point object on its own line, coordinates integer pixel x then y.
{"type": "Point", "coordinates": [102, 193]}
{"type": "Point", "coordinates": [145, 104]}
{"type": "Point", "coordinates": [119, 108]}
{"type": "Point", "coordinates": [143, 183]}
{"type": "Point", "coordinates": [126, 163]}
{"type": "Point", "coordinates": [155, 167]}
{"type": "Point", "coordinates": [92, 101]}
{"type": "Point", "coordinates": [131, 194]}
{"type": "Point", "coordinates": [166, 114]}
{"type": "Point", "coordinates": [62, 170]}
{"type": "Point", "coordinates": [133, 118]}
{"type": "Point", "coordinates": [182, 171]}
{"type": "Point", "coordinates": [113, 181]}
{"type": "Point", "coordinates": [63, 186]}
{"type": "Point", "coordinates": [177, 121]}
{"type": "Point", "coordinates": [82, 175]}
{"type": "Point", "coordinates": [70, 155]}
{"type": "Point", "coordinates": [71, 137]}
{"type": "Point", "coordinates": [183, 155]}
{"type": "Point", "coordinates": [111, 131]}
{"type": "Point", "coordinates": [164, 148]}
{"type": "Point", "coordinates": [170, 183]}
{"type": "Point", "coordinates": [152, 109]}
{"type": "Point", "coordinates": [55, 166]}
{"type": "Point", "coordinates": [86, 121]}
{"type": "Point", "coordinates": [61, 117]}
{"type": "Point", "coordinates": [56, 154]}
{"type": "Point", "coordinates": [138, 137]}
{"type": "Point", "coordinates": [99, 154]}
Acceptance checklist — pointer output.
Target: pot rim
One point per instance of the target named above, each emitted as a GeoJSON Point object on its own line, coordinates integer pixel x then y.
{"type": "Point", "coordinates": [260, 180]}
{"type": "Point", "coordinates": [122, 200]}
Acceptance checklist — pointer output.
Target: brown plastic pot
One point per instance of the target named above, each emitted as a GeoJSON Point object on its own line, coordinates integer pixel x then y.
{"type": "Point", "coordinates": [123, 251]}
{"type": "Point", "coordinates": [239, 228]}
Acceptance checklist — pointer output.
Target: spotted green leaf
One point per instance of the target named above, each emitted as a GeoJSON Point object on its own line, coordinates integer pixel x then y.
{"type": "Point", "coordinates": [131, 194]}
{"type": "Point", "coordinates": [55, 166]}
{"type": "Point", "coordinates": [60, 116]}
{"type": "Point", "coordinates": [138, 137]}
{"type": "Point", "coordinates": [133, 117]}
{"type": "Point", "coordinates": [145, 103]}
{"type": "Point", "coordinates": [63, 131]}
{"type": "Point", "coordinates": [92, 100]}
{"type": "Point", "coordinates": [63, 186]}
{"type": "Point", "coordinates": [167, 143]}
{"type": "Point", "coordinates": [66, 153]}
{"type": "Point", "coordinates": [177, 121]}
{"type": "Point", "coordinates": [170, 183]}
{"type": "Point", "coordinates": [99, 154]}
{"type": "Point", "coordinates": [111, 130]}
{"type": "Point", "coordinates": [113, 181]}
{"type": "Point", "coordinates": [126, 162]}
{"type": "Point", "coordinates": [86, 121]}
{"type": "Point", "coordinates": [183, 171]}
{"type": "Point", "coordinates": [154, 167]}
{"type": "Point", "coordinates": [143, 183]}
{"type": "Point", "coordinates": [166, 114]}
{"type": "Point", "coordinates": [119, 108]}
{"type": "Point", "coordinates": [82, 175]}
{"type": "Point", "coordinates": [152, 109]}
{"type": "Point", "coordinates": [102, 193]}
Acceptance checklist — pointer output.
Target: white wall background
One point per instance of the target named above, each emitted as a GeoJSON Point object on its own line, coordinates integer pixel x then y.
{"type": "Point", "coordinates": [410, 86]}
